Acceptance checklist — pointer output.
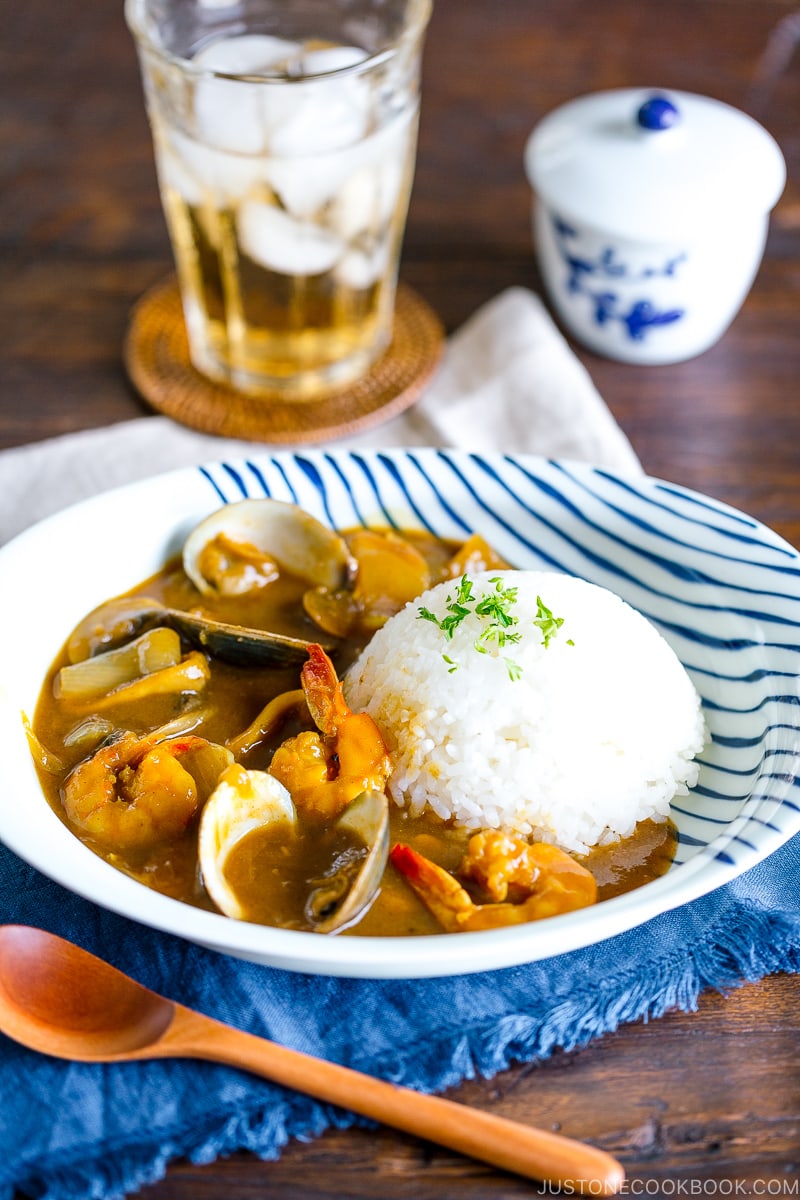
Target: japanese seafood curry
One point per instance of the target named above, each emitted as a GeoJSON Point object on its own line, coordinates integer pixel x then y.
{"type": "Point", "coordinates": [367, 732]}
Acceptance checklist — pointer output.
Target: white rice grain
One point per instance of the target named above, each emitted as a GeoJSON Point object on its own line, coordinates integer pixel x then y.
{"type": "Point", "coordinates": [599, 731]}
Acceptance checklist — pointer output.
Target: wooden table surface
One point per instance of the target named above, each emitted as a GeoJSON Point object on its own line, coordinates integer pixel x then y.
{"type": "Point", "coordinates": [706, 1103]}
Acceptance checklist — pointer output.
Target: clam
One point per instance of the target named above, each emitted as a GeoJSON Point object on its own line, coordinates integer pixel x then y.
{"type": "Point", "coordinates": [120, 620]}
{"type": "Point", "coordinates": [245, 801]}
{"type": "Point", "coordinates": [389, 572]}
{"type": "Point", "coordinates": [242, 802]}
{"type": "Point", "coordinates": [353, 882]}
{"type": "Point", "coordinates": [243, 545]}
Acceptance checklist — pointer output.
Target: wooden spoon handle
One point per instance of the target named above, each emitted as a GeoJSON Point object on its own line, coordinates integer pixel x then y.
{"type": "Point", "coordinates": [534, 1153]}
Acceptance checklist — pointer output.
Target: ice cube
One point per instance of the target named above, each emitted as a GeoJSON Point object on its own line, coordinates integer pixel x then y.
{"type": "Point", "coordinates": [276, 240]}
{"type": "Point", "coordinates": [248, 54]}
{"type": "Point", "coordinates": [220, 178]}
{"type": "Point", "coordinates": [306, 185]}
{"type": "Point", "coordinates": [356, 206]}
{"type": "Point", "coordinates": [173, 174]}
{"type": "Point", "coordinates": [316, 140]}
{"type": "Point", "coordinates": [359, 269]}
{"type": "Point", "coordinates": [388, 154]}
{"type": "Point", "coordinates": [391, 178]}
{"type": "Point", "coordinates": [316, 116]}
{"type": "Point", "coordinates": [332, 58]}
{"type": "Point", "coordinates": [390, 143]}
{"type": "Point", "coordinates": [231, 114]}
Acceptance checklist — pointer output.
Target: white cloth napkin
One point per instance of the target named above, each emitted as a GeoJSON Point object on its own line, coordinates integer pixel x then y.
{"type": "Point", "coordinates": [508, 381]}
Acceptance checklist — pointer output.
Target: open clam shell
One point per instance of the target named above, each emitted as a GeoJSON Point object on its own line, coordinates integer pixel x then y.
{"type": "Point", "coordinates": [242, 802]}
{"type": "Point", "coordinates": [279, 531]}
{"type": "Point", "coordinates": [245, 801]}
{"type": "Point", "coordinates": [344, 895]}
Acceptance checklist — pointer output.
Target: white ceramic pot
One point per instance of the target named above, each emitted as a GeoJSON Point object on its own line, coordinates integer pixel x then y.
{"type": "Point", "coordinates": [650, 216]}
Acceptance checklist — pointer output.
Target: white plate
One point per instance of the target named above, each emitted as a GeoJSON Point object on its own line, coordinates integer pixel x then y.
{"type": "Point", "coordinates": [723, 590]}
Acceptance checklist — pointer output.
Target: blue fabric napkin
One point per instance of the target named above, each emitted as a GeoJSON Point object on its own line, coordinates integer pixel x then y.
{"type": "Point", "coordinates": [75, 1132]}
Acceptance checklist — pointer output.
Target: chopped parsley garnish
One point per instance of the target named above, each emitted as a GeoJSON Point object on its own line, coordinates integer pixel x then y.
{"type": "Point", "coordinates": [494, 612]}
{"type": "Point", "coordinates": [457, 608]}
{"type": "Point", "coordinates": [545, 620]}
{"type": "Point", "coordinates": [514, 669]}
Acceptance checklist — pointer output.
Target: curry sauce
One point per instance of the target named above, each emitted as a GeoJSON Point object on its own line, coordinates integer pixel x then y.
{"type": "Point", "coordinates": [274, 872]}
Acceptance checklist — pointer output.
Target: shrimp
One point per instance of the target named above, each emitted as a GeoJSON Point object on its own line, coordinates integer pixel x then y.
{"type": "Point", "coordinates": [325, 770]}
{"type": "Point", "coordinates": [524, 882]}
{"type": "Point", "coordinates": [137, 792]}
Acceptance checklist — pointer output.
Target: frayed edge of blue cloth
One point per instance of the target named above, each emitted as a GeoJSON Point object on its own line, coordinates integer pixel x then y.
{"type": "Point", "coordinates": [124, 1169]}
{"type": "Point", "coordinates": [762, 942]}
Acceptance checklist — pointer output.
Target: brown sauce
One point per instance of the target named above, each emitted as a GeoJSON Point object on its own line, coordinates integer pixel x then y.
{"type": "Point", "coordinates": [273, 874]}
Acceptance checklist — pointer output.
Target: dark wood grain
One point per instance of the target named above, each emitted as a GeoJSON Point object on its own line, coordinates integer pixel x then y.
{"type": "Point", "coordinates": [712, 1097]}
{"type": "Point", "coordinates": [690, 1100]}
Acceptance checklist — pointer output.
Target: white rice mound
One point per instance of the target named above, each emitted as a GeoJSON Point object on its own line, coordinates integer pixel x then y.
{"type": "Point", "coordinates": [598, 732]}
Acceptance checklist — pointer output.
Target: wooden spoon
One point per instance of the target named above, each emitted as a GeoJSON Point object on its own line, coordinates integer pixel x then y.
{"type": "Point", "coordinates": [61, 1000]}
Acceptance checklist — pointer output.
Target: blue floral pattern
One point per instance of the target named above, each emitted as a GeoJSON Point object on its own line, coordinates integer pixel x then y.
{"type": "Point", "coordinates": [585, 275]}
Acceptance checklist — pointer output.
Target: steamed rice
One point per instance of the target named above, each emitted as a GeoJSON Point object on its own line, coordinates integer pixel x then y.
{"type": "Point", "coordinates": [598, 732]}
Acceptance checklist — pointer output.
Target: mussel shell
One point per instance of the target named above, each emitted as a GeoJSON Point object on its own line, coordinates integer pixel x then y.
{"type": "Point", "coordinates": [238, 645]}
{"type": "Point", "coordinates": [118, 621]}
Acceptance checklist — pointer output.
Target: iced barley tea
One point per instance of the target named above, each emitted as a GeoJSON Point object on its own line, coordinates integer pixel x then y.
{"type": "Point", "coordinates": [285, 169]}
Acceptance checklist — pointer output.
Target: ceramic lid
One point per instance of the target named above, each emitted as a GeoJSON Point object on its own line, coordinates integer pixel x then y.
{"type": "Point", "coordinates": [653, 165]}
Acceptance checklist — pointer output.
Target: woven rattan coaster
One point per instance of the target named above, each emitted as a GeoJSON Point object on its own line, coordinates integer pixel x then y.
{"type": "Point", "coordinates": [156, 355]}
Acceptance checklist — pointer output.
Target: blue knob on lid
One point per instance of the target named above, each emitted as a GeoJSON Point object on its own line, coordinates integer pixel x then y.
{"type": "Point", "coordinates": [657, 113]}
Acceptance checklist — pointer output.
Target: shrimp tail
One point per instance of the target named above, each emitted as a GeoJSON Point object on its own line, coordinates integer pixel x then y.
{"type": "Point", "coordinates": [323, 691]}
{"type": "Point", "coordinates": [442, 895]}
{"type": "Point", "coordinates": [561, 885]}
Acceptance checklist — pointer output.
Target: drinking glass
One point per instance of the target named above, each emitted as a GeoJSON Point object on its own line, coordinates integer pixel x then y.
{"type": "Point", "coordinates": [285, 140]}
